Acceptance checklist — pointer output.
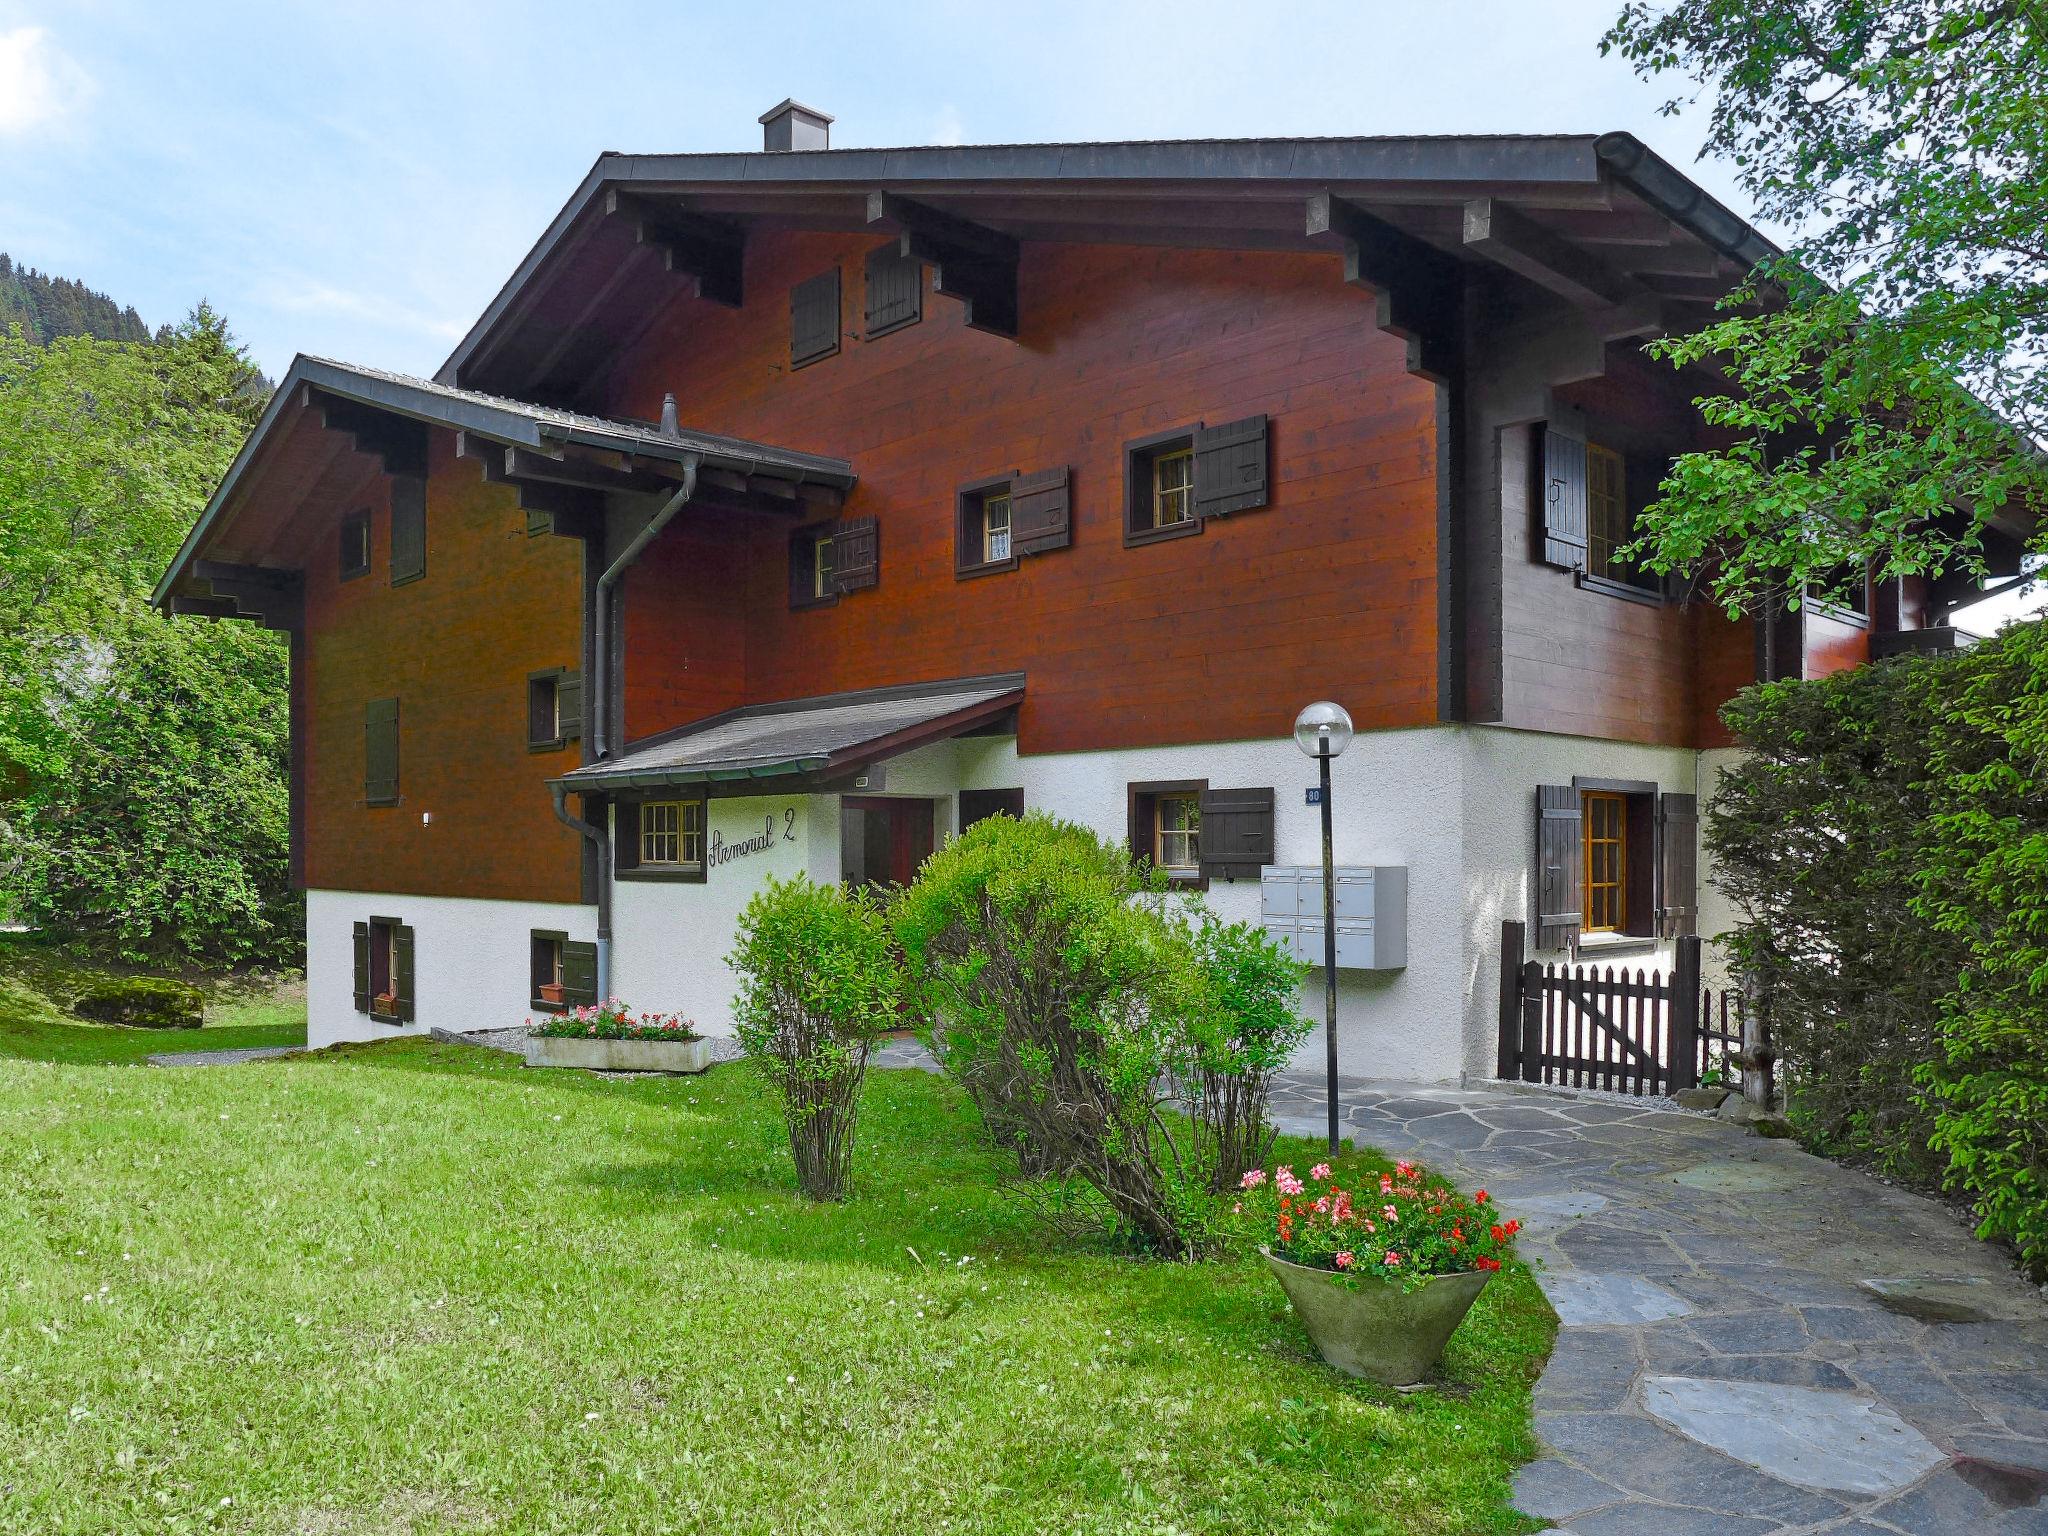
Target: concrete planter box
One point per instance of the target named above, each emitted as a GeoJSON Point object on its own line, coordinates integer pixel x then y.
{"type": "Point", "coordinates": [618, 1055]}
{"type": "Point", "coordinates": [1377, 1330]}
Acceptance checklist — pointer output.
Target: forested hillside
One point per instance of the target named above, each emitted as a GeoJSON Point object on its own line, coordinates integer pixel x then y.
{"type": "Point", "coordinates": [49, 307]}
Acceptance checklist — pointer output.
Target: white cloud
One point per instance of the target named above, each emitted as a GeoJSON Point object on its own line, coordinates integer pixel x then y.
{"type": "Point", "coordinates": [310, 296]}
{"type": "Point", "coordinates": [38, 83]}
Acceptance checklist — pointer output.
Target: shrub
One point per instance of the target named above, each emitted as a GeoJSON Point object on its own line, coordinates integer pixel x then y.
{"type": "Point", "coordinates": [1248, 1026]}
{"type": "Point", "coordinates": [1404, 1226]}
{"type": "Point", "coordinates": [818, 982]}
{"type": "Point", "coordinates": [1058, 993]}
{"type": "Point", "coordinates": [145, 1002]}
{"type": "Point", "coordinates": [613, 1020]}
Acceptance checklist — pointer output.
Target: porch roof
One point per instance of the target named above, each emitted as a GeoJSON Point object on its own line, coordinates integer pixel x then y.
{"type": "Point", "coordinates": [829, 735]}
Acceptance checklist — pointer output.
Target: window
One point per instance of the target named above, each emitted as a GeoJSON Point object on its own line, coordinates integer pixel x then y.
{"type": "Point", "coordinates": [984, 536]}
{"type": "Point", "coordinates": [979, 804]}
{"type": "Point", "coordinates": [1605, 819]}
{"type": "Point", "coordinates": [1177, 830]}
{"type": "Point", "coordinates": [1173, 487]}
{"type": "Point", "coordinates": [384, 970]}
{"type": "Point", "coordinates": [1607, 520]}
{"type": "Point", "coordinates": [1166, 828]}
{"type": "Point", "coordinates": [564, 971]}
{"type": "Point", "coordinates": [672, 833]}
{"type": "Point", "coordinates": [821, 567]}
{"type": "Point", "coordinates": [355, 545]}
{"type": "Point", "coordinates": [995, 529]}
{"type": "Point", "coordinates": [1843, 592]}
{"type": "Point", "coordinates": [554, 708]}
{"type": "Point", "coordinates": [828, 560]}
{"type": "Point", "coordinates": [547, 970]}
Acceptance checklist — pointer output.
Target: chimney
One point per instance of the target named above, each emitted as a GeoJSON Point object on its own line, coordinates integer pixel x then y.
{"type": "Point", "coordinates": [792, 125]}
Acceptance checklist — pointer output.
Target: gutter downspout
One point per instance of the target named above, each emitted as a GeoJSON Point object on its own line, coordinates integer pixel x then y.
{"type": "Point", "coordinates": [601, 745]}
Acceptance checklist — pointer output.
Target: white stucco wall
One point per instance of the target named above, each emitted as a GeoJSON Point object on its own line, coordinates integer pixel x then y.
{"type": "Point", "coordinates": [1717, 912]}
{"type": "Point", "coordinates": [472, 960]}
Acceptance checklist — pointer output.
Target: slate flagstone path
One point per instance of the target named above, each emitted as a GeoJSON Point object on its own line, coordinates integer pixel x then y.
{"type": "Point", "coordinates": [1754, 1341]}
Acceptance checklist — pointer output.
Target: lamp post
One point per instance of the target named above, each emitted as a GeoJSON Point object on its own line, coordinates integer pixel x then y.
{"type": "Point", "coordinates": [1323, 731]}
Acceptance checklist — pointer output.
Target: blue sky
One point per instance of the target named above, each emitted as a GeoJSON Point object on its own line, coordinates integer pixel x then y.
{"type": "Point", "coordinates": [358, 180]}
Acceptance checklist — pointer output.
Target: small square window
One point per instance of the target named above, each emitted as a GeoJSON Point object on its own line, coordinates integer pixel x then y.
{"type": "Point", "coordinates": [1159, 487]}
{"type": "Point", "coordinates": [984, 537]}
{"type": "Point", "coordinates": [1177, 833]}
{"type": "Point", "coordinates": [672, 834]}
{"type": "Point", "coordinates": [813, 571]}
{"type": "Point", "coordinates": [995, 529]}
{"type": "Point", "coordinates": [355, 545]}
{"type": "Point", "coordinates": [548, 994]}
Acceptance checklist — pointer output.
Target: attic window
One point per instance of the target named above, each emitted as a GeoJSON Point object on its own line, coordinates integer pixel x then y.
{"type": "Point", "coordinates": [355, 545]}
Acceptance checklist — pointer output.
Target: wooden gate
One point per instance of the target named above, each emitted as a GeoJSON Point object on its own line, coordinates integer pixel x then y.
{"type": "Point", "coordinates": [1608, 1027]}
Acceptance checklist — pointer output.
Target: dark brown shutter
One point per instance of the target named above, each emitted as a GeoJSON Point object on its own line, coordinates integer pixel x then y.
{"type": "Point", "coordinates": [380, 752]}
{"type": "Point", "coordinates": [1141, 824]}
{"type": "Point", "coordinates": [856, 554]}
{"type": "Point", "coordinates": [1041, 515]}
{"type": "Point", "coordinates": [1563, 492]}
{"type": "Point", "coordinates": [814, 318]}
{"type": "Point", "coordinates": [569, 705]}
{"type": "Point", "coordinates": [408, 528]}
{"type": "Point", "coordinates": [355, 544]}
{"type": "Point", "coordinates": [1678, 899]}
{"type": "Point", "coordinates": [579, 973]}
{"type": "Point", "coordinates": [895, 289]}
{"type": "Point", "coordinates": [362, 967]}
{"type": "Point", "coordinates": [1230, 467]}
{"type": "Point", "coordinates": [1560, 866]}
{"type": "Point", "coordinates": [980, 804]}
{"type": "Point", "coordinates": [402, 970]}
{"type": "Point", "coordinates": [626, 835]}
{"type": "Point", "coordinates": [1237, 833]}
{"type": "Point", "coordinates": [802, 545]}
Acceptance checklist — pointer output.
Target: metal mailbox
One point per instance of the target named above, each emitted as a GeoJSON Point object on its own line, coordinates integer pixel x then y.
{"type": "Point", "coordinates": [1372, 913]}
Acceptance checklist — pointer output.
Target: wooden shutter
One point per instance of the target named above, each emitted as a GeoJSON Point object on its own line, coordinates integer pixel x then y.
{"type": "Point", "coordinates": [980, 804]}
{"type": "Point", "coordinates": [895, 289]}
{"type": "Point", "coordinates": [1678, 899]}
{"type": "Point", "coordinates": [1230, 467]}
{"type": "Point", "coordinates": [539, 521]}
{"type": "Point", "coordinates": [569, 705]}
{"type": "Point", "coordinates": [856, 554]}
{"type": "Point", "coordinates": [814, 318]}
{"type": "Point", "coordinates": [626, 834]}
{"type": "Point", "coordinates": [408, 528]}
{"type": "Point", "coordinates": [579, 973]}
{"type": "Point", "coordinates": [380, 752]}
{"type": "Point", "coordinates": [1563, 492]}
{"type": "Point", "coordinates": [1041, 515]}
{"type": "Point", "coordinates": [1237, 833]}
{"type": "Point", "coordinates": [355, 544]}
{"type": "Point", "coordinates": [402, 970]}
{"type": "Point", "coordinates": [362, 940]}
{"type": "Point", "coordinates": [1560, 866]}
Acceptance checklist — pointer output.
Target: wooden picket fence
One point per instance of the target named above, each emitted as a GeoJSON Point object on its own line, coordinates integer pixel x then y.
{"type": "Point", "coordinates": [1609, 1027]}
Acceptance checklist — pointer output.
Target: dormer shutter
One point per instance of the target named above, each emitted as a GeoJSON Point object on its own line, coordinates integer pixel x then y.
{"type": "Point", "coordinates": [1563, 492]}
{"type": "Point", "coordinates": [1230, 467]}
{"type": "Point", "coordinates": [1041, 516]}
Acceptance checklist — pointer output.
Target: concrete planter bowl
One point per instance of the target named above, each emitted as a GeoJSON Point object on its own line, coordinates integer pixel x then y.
{"type": "Point", "coordinates": [1377, 1330]}
{"type": "Point", "coordinates": [618, 1055]}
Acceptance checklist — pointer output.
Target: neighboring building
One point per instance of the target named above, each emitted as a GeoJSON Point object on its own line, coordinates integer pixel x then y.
{"type": "Point", "coordinates": [1052, 477]}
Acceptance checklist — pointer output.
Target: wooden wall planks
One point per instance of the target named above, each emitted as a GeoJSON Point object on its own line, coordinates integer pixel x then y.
{"type": "Point", "coordinates": [1329, 590]}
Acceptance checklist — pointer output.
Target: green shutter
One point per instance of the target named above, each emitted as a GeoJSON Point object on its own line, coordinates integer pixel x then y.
{"type": "Point", "coordinates": [579, 973]}
{"type": "Point", "coordinates": [362, 967]}
{"type": "Point", "coordinates": [402, 967]}
{"type": "Point", "coordinates": [408, 528]}
{"type": "Point", "coordinates": [380, 752]}
{"type": "Point", "coordinates": [569, 705]}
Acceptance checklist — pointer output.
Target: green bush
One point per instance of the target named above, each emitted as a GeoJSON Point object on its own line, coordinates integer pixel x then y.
{"type": "Point", "coordinates": [1056, 989]}
{"type": "Point", "coordinates": [145, 1002]}
{"type": "Point", "coordinates": [1248, 1026]}
{"type": "Point", "coordinates": [818, 983]}
{"type": "Point", "coordinates": [1887, 844]}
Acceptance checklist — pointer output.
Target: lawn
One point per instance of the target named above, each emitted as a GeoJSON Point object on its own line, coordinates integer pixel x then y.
{"type": "Point", "coordinates": [36, 983]}
{"type": "Point", "coordinates": [417, 1289]}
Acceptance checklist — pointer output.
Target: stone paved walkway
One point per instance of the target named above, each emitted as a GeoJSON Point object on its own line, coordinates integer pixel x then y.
{"type": "Point", "coordinates": [1754, 1340]}
{"type": "Point", "coordinates": [219, 1058]}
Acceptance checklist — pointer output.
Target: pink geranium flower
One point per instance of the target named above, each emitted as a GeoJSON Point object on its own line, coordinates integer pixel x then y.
{"type": "Point", "coordinates": [1320, 1171]}
{"type": "Point", "coordinates": [1343, 1260]}
{"type": "Point", "coordinates": [1253, 1179]}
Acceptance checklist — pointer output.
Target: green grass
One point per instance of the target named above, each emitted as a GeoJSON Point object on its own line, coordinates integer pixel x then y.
{"type": "Point", "coordinates": [417, 1289]}
{"type": "Point", "coordinates": [37, 983]}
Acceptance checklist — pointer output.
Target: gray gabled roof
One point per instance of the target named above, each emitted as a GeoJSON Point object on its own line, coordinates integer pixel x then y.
{"type": "Point", "coordinates": [826, 734]}
{"type": "Point", "coordinates": [518, 422]}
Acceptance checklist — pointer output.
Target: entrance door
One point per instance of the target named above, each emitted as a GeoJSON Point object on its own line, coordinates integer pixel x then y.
{"type": "Point", "coordinates": [881, 842]}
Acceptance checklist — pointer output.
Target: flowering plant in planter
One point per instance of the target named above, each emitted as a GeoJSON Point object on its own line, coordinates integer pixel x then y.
{"type": "Point", "coordinates": [613, 1020]}
{"type": "Point", "coordinates": [1406, 1226]}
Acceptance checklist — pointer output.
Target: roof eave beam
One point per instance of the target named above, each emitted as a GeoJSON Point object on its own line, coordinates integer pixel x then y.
{"type": "Point", "coordinates": [970, 262]}
{"type": "Point", "coordinates": [1417, 286]}
{"type": "Point", "coordinates": [399, 441]}
{"type": "Point", "coordinates": [1511, 239]}
{"type": "Point", "coordinates": [711, 252]}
